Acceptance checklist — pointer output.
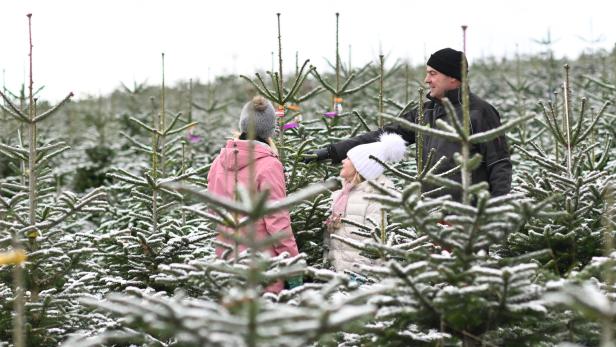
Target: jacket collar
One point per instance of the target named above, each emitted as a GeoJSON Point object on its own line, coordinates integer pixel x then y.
{"type": "Point", "coordinates": [454, 96]}
{"type": "Point", "coordinates": [237, 154]}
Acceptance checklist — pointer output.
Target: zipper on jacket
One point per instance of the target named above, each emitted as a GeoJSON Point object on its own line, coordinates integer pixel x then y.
{"type": "Point", "coordinates": [235, 170]}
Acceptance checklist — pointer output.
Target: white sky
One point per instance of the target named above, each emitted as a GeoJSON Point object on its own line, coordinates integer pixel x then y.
{"type": "Point", "coordinates": [89, 46]}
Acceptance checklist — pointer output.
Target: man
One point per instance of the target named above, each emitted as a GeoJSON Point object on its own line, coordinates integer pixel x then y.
{"type": "Point", "coordinates": [444, 77]}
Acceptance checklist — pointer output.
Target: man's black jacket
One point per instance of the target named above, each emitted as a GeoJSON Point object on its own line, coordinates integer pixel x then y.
{"type": "Point", "coordinates": [495, 167]}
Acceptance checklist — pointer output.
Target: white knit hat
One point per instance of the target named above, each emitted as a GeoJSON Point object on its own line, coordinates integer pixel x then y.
{"type": "Point", "coordinates": [390, 148]}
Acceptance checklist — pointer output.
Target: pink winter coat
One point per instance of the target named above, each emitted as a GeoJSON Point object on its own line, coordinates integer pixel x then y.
{"type": "Point", "coordinates": [268, 175]}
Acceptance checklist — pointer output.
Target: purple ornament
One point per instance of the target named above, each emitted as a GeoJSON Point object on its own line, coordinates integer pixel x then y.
{"type": "Point", "coordinates": [331, 114]}
{"type": "Point", "coordinates": [291, 125]}
{"type": "Point", "coordinates": [192, 138]}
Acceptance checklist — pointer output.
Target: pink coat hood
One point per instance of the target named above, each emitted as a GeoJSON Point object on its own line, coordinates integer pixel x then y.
{"type": "Point", "coordinates": [233, 162]}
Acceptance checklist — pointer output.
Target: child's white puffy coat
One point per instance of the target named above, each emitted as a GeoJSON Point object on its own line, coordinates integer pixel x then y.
{"type": "Point", "coordinates": [341, 255]}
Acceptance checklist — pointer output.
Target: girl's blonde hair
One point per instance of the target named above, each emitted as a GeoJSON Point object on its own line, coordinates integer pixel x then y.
{"type": "Point", "coordinates": [272, 145]}
{"type": "Point", "coordinates": [357, 179]}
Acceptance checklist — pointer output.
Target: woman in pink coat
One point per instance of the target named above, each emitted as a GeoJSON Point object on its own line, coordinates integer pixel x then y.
{"type": "Point", "coordinates": [231, 168]}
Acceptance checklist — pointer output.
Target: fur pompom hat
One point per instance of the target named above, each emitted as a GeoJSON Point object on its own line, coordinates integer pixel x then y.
{"type": "Point", "coordinates": [264, 115]}
{"type": "Point", "coordinates": [390, 148]}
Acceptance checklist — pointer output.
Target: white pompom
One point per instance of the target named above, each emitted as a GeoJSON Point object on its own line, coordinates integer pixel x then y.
{"type": "Point", "coordinates": [394, 147]}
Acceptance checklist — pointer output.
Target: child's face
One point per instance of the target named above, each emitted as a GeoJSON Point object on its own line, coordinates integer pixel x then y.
{"type": "Point", "coordinates": [348, 170]}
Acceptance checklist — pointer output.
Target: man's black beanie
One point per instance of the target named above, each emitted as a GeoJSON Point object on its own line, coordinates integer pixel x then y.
{"type": "Point", "coordinates": [447, 61]}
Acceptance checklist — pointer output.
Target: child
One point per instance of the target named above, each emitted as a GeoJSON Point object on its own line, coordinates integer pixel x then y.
{"type": "Point", "coordinates": [350, 203]}
{"type": "Point", "coordinates": [231, 168]}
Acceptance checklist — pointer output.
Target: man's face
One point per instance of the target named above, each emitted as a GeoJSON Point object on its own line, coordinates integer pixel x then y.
{"type": "Point", "coordinates": [439, 83]}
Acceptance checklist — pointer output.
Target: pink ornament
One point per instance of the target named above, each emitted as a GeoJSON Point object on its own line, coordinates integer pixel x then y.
{"type": "Point", "coordinates": [280, 112]}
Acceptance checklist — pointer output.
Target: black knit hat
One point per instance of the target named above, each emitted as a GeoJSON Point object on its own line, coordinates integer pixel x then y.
{"type": "Point", "coordinates": [447, 61]}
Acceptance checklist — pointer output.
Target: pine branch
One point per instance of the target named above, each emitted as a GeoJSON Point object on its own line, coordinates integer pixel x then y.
{"type": "Point", "coordinates": [180, 129]}
{"type": "Point", "coordinates": [14, 152]}
{"type": "Point", "coordinates": [402, 273]}
{"type": "Point", "coordinates": [406, 108]}
{"type": "Point", "coordinates": [361, 86]}
{"type": "Point", "coordinates": [53, 109]}
{"type": "Point", "coordinates": [128, 179]}
{"type": "Point", "coordinates": [174, 120]}
{"type": "Point", "coordinates": [323, 82]}
{"type": "Point", "coordinates": [346, 83]}
{"type": "Point", "coordinates": [140, 146]}
{"type": "Point", "coordinates": [299, 80]}
{"type": "Point", "coordinates": [308, 95]}
{"type": "Point", "coordinates": [423, 129]}
{"type": "Point", "coordinates": [48, 156]}
{"type": "Point", "coordinates": [600, 83]}
{"type": "Point", "coordinates": [594, 121]}
{"type": "Point", "coordinates": [261, 90]}
{"type": "Point", "coordinates": [496, 132]}
{"type": "Point", "coordinates": [145, 126]}
{"type": "Point", "coordinates": [299, 196]}
{"type": "Point", "coordinates": [13, 111]}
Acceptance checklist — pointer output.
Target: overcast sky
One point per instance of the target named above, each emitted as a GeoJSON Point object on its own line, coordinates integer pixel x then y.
{"type": "Point", "coordinates": [89, 47]}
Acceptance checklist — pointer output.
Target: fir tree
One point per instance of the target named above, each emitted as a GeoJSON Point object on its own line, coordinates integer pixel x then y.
{"type": "Point", "coordinates": [46, 225]}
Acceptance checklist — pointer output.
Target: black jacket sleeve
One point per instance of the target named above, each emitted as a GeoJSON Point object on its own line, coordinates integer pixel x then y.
{"type": "Point", "coordinates": [338, 151]}
{"type": "Point", "coordinates": [495, 153]}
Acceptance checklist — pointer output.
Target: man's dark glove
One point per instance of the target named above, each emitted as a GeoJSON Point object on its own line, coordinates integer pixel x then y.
{"type": "Point", "coordinates": [316, 155]}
